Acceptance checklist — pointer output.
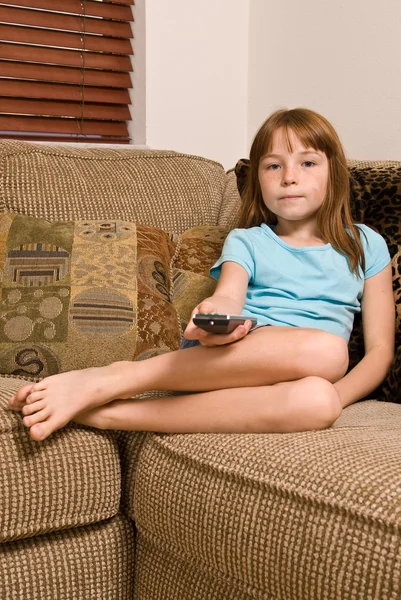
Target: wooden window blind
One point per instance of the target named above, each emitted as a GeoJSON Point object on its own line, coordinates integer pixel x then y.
{"type": "Point", "coordinates": [65, 70]}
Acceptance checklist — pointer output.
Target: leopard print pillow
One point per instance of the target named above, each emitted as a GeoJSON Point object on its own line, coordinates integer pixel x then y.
{"type": "Point", "coordinates": [375, 201]}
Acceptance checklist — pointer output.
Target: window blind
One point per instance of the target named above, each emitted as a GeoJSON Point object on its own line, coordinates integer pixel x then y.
{"type": "Point", "coordinates": [65, 70]}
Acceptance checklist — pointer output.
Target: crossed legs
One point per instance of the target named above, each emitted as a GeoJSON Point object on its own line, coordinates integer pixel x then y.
{"type": "Point", "coordinates": [304, 404]}
{"type": "Point", "coordinates": [274, 379]}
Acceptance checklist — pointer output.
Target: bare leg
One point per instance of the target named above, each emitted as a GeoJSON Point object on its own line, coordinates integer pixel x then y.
{"type": "Point", "coordinates": [263, 358]}
{"type": "Point", "coordinates": [309, 403]}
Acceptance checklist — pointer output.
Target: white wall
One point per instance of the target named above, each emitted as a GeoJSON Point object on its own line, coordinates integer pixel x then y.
{"type": "Point", "coordinates": [340, 58]}
{"type": "Point", "coordinates": [195, 97]}
{"type": "Point", "coordinates": [208, 73]}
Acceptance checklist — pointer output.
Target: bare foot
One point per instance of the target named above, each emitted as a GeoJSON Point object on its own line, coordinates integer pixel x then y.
{"type": "Point", "coordinates": [56, 400]}
{"type": "Point", "coordinates": [18, 401]}
{"type": "Point", "coordinates": [117, 414]}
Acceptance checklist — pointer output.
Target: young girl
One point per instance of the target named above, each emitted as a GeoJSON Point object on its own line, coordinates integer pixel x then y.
{"type": "Point", "coordinates": [302, 268]}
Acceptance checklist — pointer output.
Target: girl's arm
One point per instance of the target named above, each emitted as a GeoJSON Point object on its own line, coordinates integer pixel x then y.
{"type": "Point", "coordinates": [378, 319]}
{"type": "Point", "coordinates": [228, 298]}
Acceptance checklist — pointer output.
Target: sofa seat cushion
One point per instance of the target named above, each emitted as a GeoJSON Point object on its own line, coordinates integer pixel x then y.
{"type": "Point", "coordinates": [162, 574]}
{"type": "Point", "coordinates": [161, 188]}
{"type": "Point", "coordinates": [76, 294]}
{"type": "Point", "coordinates": [70, 479]}
{"type": "Point", "coordinates": [93, 562]}
{"type": "Point", "coordinates": [302, 515]}
{"type": "Point", "coordinates": [130, 445]}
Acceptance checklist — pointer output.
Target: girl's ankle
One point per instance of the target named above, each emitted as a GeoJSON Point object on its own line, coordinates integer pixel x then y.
{"type": "Point", "coordinates": [120, 374]}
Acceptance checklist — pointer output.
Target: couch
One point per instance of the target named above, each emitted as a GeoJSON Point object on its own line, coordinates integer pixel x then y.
{"type": "Point", "coordinates": [103, 253]}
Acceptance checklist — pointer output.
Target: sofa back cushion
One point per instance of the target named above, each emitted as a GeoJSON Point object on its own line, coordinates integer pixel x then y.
{"type": "Point", "coordinates": [159, 188]}
{"type": "Point", "coordinates": [197, 250]}
{"type": "Point", "coordinates": [75, 294]}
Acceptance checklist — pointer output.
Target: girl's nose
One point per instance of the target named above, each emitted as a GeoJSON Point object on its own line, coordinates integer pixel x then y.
{"type": "Point", "coordinates": [289, 177]}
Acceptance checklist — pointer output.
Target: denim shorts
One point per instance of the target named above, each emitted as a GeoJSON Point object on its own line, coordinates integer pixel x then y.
{"type": "Point", "coordinates": [192, 343]}
{"type": "Point", "coordinates": [189, 343]}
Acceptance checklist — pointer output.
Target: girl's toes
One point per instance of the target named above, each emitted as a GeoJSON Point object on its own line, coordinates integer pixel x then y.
{"type": "Point", "coordinates": [13, 404]}
{"type": "Point", "coordinates": [37, 417]}
{"type": "Point", "coordinates": [37, 433]}
{"type": "Point", "coordinates": [17, 401]}
{"type": "Point", "coordinates": [29, 409]}
{"type": "Point", "coordinates": [34, 397]}
{"type": "Point", "coordinates": [40, 431]}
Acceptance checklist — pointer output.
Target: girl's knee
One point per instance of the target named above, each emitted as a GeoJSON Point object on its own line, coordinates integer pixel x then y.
{"type": "Point", "coordinates": [329, 354]}
{"type": "Point", "coordinates": [322, 402]}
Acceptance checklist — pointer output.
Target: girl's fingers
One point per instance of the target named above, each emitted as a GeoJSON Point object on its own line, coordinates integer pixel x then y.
{"type": "Point", "coordinates": [205, 307]}
{"type": "Point", "coordinates": [220, 339]}
{"type": "Point", "coordinates": [191, 331]}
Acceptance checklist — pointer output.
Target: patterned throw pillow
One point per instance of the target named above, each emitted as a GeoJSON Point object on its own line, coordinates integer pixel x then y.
{"type": "Point", "coordinates": [197, 250]}
{"type": "Point", "coordinates": [82, 293]}
{"type": "Point", "coordinates": [375, 201]}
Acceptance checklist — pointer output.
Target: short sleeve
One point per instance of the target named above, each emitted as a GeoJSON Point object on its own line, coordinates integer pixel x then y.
{"type": "Point", "coordinates": [237, 248]}
{"type": "Point", "coordinates": [377, 255]}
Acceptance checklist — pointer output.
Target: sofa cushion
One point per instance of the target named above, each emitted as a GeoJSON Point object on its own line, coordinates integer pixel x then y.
{"type": "Point", "coordinates": [301, 515]}
{"type": "Point", "coordinates": [82, 293]}
{"type": "Point", "coordinates": [164, 189]}
{"type": "Point", "coordinates": [91, 562]}
{"type": "Point", "coordinates": [70, 479]}
{"type": "Point", "coordinates": [197, 250]}
{"type": "Point", "coordinates": [231, 204]}
{"type": "Point", "coordinates": [129, 445]}
{"type": "Point", "coordinates": [167, 574]}
{"type": "Point", "coordinates": [375, 201]}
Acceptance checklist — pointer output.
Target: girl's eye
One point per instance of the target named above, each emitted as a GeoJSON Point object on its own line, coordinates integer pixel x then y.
{"type": "Point", "coordinates": [273, 167]}
{"type": "Point", "coordinates": [309, 163]}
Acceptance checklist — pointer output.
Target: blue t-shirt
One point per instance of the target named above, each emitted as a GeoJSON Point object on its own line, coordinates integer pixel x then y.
{"type": "Point", "coordinates": [301, 287]}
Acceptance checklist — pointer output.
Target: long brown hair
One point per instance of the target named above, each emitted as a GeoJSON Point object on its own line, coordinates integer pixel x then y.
{"type": "Point", "coordinates": [334, 216]}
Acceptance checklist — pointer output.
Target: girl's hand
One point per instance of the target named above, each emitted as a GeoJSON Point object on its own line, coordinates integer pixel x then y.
{"type": "Point", "coordinates": [192, 332]}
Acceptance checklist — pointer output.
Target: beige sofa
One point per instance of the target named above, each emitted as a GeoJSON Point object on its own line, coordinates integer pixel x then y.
{"type": "Point", "coordinates": [90, 514]}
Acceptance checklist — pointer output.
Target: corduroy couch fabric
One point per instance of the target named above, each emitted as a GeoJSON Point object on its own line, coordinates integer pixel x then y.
{"type": "Point", "coordinates": [95, 514]}
{"type": "Point", "coordinates": [63, 529]}
{"type": "Point", "coordinates": [83, 563]}
{"type": "Point", "coordinates": [311, 515]}
{"type": "Point", "coordinates": [99, 183]}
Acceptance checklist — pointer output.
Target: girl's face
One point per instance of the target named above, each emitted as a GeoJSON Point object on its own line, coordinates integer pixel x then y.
{"type": "Point", "coordinates": [293, 183]}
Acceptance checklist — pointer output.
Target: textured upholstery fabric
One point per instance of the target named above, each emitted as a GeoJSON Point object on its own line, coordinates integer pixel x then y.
{"type": "Point", "coordinates": [159, 188]}
{"type": "Point", "coordinates": [74, 477]}
{"type": "Point", "coordinates": [308, 516]}
{"type": "Point", "coordinates": [71, 479]}
{"type": "Point", "coordinates": [197, 250]}
{"type": "Point", "coordinates": [94, 562]}
{"type": "Point", "coordinates": [85, 293]}
{"type": "Point", "coordinates": [376, 201]}
{"type": "Point", "coordinates": [130, 446]}
{"type": "Point", "coordinates": [166, 574]}
{"type": "Point", "coordinates": [231, 203]}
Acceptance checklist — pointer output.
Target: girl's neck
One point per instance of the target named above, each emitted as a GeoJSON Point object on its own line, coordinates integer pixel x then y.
{"type": "Point", "coordinates": [299, 234]}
